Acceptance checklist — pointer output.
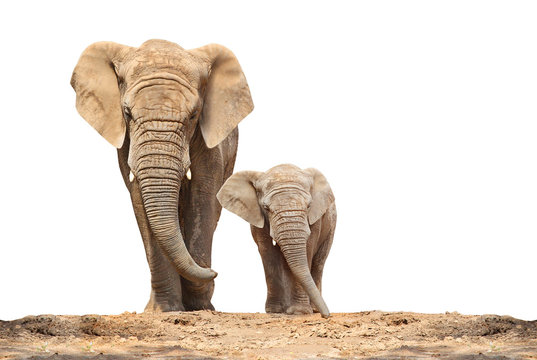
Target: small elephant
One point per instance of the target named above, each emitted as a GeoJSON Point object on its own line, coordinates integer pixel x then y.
{"type": "Point", "coordinates": [173, 114]}
{"type": "Point", "coordinates": [293, 218]}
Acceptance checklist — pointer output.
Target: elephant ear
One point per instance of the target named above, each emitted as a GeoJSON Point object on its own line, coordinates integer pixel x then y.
{"type": "Point", "coordinates": [238, 195]}
{"type": "Point", "coordinates": [321, 194]}
{"type": "Point", "coordinates": [227, 95]}
{"type": "Point", "coordinates": [97, 93]}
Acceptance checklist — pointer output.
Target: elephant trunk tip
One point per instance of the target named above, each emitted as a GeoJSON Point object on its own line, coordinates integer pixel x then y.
{"type": "Point", "coordinates": [204, 275]}
{"type": "Point", "coordinates": [322, 308]}
{"type": "Point", "coordinates": [214, 274]}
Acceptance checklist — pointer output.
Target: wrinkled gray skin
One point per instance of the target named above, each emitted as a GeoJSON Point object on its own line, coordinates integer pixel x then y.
{"type": "Point", "coordinates": [168, 110]}
{"type": "Point", "coordinates": [294, 208]}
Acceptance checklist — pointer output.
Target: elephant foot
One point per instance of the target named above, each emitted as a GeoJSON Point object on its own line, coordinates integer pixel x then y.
{"type": "Point", "coordinates": [271, 308]}
{"type": "Point", "coordinates": [162, 303]}
{"type": "Point", "coordinates": [197, 296]}
{"type": "Point", "coordinates": [299, 309]}
{"type": "Point", "coordinates": [198, 305]}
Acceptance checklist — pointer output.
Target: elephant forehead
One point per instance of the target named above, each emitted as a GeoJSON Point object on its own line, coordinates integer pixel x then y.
{"type": "Point", "coordinates": [286, 175]}
{"type": "Point", "coordinates": [288, 185]}
{"type": "Point", "coordinates": [287, 196]}
{"type": "Point", "coordinates": [163, 98]}
{"type": "Point", "coordinates": [159, 43]}
{"type": "Point", "coordinates": [150, 61]}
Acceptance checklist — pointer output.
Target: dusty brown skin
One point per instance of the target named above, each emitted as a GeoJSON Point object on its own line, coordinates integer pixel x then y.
{"type": "Point", "coordinates": [296, 209]}
{"type": "Point", "coordinates": [168, 110]}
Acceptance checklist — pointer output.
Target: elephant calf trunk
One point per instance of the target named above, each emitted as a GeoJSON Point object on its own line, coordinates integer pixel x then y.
{"type": "Point", "coordinates": [296, 256]}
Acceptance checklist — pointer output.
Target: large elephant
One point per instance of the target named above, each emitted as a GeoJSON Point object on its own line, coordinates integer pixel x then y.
{"type": "Point", "coordinates": [173, 115]}
{"type": "Point", "coordinates": [293, 218]}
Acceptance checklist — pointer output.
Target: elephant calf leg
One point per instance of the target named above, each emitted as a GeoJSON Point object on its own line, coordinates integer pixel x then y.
{"type": "Point", "coordinates": [274, 305]}
{"type": "Point", "coordinates": [300, 301]}
{"type": "Point", "coordinates": [319, 260]}
{"type": "Point", "coordinates": [278, 293]}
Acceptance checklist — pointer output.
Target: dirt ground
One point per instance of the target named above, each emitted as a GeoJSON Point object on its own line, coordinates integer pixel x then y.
{"type": "Point", "coordinates": [215, 335]}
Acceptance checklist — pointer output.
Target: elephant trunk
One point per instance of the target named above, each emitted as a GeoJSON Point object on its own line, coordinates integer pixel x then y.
{"type": "Point", "coordinates": [291, 234]}
{"type": "Point", "coordinates": [160, 175]}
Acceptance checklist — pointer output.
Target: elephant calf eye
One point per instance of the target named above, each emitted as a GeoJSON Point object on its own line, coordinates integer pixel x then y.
{"type": "Point", "coordinates": [127, 113]}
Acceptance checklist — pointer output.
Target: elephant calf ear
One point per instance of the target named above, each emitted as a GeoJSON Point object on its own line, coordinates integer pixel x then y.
{"type": "Point", "coordinates": [97, 94]}
{"type": "Point", "coordinates": [238, 195]}
{"type": "Point", "coordinates": [321, 194]}
{"type": "Point", "coordinates": [227, 95]}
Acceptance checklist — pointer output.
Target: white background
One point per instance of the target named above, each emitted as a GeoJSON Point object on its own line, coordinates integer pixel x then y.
{"type": "Point", "coordinates": [421, 114]}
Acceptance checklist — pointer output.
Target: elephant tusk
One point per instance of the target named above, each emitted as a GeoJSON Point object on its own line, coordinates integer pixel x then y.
{"type": "Point", "coordinates": [131, 176]}
{"type": "Point", "coordinates": [189, 175]}
{"type": "Point", "coordinates": [273, 242]}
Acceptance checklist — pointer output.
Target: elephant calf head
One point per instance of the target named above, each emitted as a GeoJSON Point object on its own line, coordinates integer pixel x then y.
{"type": "Point", "coordinates": [290, 200]}
{"type": "Point", "coordinates": [155, 96]}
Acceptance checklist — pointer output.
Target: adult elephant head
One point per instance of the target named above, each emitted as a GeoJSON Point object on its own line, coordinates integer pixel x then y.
{"type": "Point", "coordinates": [159, 94]}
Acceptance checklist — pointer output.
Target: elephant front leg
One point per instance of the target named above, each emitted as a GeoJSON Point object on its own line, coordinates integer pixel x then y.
{"type": "Point", "coordinates": [299, 301]}
{"type": "Point", "coordinates": [325, 243]}
{"type": "Point", "coordinates": [319, 259]}
{"type": "Point", "coordinates": [278, 293]}
{"type": "Point", "coordinates": [165, 281]}
{"type": "Point", "coordinates": [166, 294]}
{"type": "Point", "coordinates": [199, 213]}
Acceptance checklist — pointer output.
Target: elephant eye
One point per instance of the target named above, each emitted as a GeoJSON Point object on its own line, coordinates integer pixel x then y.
{"type": "Point", "coordinates": [194, 115]}
{"type": "Point", "coordinates": [127, 113]}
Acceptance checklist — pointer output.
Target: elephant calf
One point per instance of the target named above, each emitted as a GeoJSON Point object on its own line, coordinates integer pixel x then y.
{"type": "Point", "coordinates": [293, 217]}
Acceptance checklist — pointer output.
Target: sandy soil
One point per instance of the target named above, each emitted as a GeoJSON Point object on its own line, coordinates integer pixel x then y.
{"type": "Point", "coordinates": [214, 335]}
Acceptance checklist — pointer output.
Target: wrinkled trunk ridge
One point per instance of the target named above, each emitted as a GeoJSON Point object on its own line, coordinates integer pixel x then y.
{"type": "Point", "coordinates": [292, 239]}
{"type": "Point", "coordinates": [159, 175]}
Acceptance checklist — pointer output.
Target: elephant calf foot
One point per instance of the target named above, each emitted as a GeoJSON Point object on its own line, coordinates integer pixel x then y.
{"type": "Point", "coordinates": [273, 307]}
{"type": "Point", "coordinates": [299, 309]}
